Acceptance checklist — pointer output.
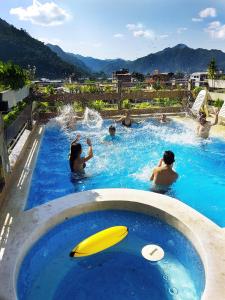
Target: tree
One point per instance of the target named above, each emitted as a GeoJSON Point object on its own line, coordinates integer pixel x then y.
{"type": "Point", "coordinates": [212, 69]}
{"type": "Point", "coordinates": [12, 76]}
{"type": "Point", "coordinates": [139, 76]}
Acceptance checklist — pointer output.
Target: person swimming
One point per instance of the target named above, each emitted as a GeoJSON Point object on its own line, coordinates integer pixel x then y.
{"type": "Point", "coordinates": [163, 176]}
{"type": "Point", "coordinates": [112, 135]}
{"type": "Point", "coordinates": [126, 119]}
{"type": "Point", "coordinates": [204, 126]}
{"type": "Point", "coordinates": [78, 163]}
{"type": "Point", "coordinates": [163, 119]}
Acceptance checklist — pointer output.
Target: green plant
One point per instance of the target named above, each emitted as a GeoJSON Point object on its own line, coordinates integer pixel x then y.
{"type": "Point", "coordinates": [77, 106]}
{"type": "Point", "coordinates": [196, 90]}
{"type": "Point", "coordinates": [12, 76]}
{"type": "Point", "coordinates": [49, 90]}
{"type": "Point", "coordinates": [14, 112]}
{"type": "Point", "coordinates": [126, 104]}
{"type": "Point", "coordinates": [142, 105]}
{"type": "Point", "coordinates": [218, 103]}
{"type": "Point", "coordinates": [98, 104]}
{"type": "Point", "coordinates": [157, 86]}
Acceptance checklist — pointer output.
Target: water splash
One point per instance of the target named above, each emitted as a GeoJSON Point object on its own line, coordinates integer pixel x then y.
{"type": "Point", "coordinates": [92, 119]}
{"type": "Point", "coordinates": [66, 118]}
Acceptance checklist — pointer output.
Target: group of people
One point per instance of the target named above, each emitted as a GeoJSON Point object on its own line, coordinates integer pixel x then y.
{"type": "Point", "coordinates": [163, 176]}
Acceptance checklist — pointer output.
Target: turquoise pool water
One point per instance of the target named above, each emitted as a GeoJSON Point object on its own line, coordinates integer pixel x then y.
{"type": "Point", "coordinates": [127, 163]}
{"type": "Point", "coordinates": [118, 273]}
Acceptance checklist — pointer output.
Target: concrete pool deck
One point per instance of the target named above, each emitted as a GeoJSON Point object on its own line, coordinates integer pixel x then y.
{"type": "Point", "coordinates": [20, 229]}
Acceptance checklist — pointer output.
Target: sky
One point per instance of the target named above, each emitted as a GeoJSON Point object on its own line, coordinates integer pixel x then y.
{"type": "Point", "coordinates": [126, 29]}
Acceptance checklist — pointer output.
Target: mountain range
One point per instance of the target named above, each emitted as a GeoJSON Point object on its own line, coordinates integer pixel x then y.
{"type": "Point", "coordinates": [18, 46]}
{"type": "Point", "coordinates": [180, 58]}
{"type": "Point", "coordinates": [53, 62]}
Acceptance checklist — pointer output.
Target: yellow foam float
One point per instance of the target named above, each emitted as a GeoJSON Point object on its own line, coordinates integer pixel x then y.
{"type": "Point", "coordinates": [100, 241]}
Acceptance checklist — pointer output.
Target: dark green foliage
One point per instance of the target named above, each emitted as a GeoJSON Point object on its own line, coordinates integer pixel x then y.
{"type": "Point", "coordinates": [12, 76]}
{"type": "Point", "coordinates": [19, 47]}
{"type": "Point", "coordinates": [218, 103]}
{"type": "Point", "coordinates": [139, 76]}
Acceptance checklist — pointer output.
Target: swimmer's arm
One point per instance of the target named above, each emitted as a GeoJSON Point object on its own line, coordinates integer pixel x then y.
{"type": "Point", "coordinates": [119, 120]}
{"type": "Point", "coordinates": [153, 174]}
{"type": "Point", "coordinates": [90, 151]}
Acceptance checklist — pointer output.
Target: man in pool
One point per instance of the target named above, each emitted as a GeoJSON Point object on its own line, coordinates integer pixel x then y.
{"type": "Point", "coordinates": [203, 129]}
{"type": "Point", "coordinates": [163, 176]}
{"type": "Point", "coordinates": [112, 135]}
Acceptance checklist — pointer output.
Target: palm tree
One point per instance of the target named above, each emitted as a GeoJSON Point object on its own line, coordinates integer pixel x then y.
{"type": "Point", "coordinates": [212, 69]}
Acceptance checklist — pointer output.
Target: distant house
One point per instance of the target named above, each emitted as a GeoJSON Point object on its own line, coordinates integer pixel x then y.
{"type": "Point", "coordinates": [162, 78]}
{"type": "Point", "coordinates": [122, 75]}
{"type": "Point", "coordinates": [199, 79]}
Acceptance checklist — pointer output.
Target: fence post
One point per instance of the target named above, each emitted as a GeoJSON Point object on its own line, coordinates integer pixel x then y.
{"type": "Point", "coordinates": [4, 157]}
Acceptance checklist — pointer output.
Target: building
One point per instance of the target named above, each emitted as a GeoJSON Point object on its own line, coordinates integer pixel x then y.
{"type": "Point", "coordinates": [162, 78]}
{"type": "Point", "coordinates": [199, 79]}
{"type": "Point", "coordinates": [122, 75]}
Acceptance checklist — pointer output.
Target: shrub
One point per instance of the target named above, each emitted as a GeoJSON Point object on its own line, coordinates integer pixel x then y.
{"type": "Point", "coordinates": [12, 76]}
{"type": "Point", "coordinates": [218, 103]}
{"type": "Point", "coordinates": [197, 90]}
{"type": "Point", "coordinates": [142, 105]}
{"type": "Point", "coordinates": [49, 90]}
{"type": "Point", "coordinates": [14, 112]}
{"type": "Point", "coordinates": [98, 104]}
{"type": "Point", "coordinates": [126, 104]}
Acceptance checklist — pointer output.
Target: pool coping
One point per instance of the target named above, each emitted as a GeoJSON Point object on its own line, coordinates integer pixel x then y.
{"type": "Point", "coordinates": [206, 237]}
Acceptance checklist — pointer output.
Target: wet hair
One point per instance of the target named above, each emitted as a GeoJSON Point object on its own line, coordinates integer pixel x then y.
{"type": "Point", "coordinates": [113, 128]}
{"type": "Point", "coordinates": [75, 151]}
{"type": "Point", "coordinates": [168, 157]}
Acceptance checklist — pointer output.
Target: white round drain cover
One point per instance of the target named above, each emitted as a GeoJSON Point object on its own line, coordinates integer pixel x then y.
{"type": "Point", "coordinates": [152, 252]}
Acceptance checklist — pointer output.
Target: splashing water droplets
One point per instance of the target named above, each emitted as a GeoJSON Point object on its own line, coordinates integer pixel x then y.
{"type": "Point", "coordinates": [92, 118]}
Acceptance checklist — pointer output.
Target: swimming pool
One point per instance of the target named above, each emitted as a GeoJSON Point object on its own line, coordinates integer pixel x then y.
{"type": "Point", "coordinates": [127, 163]}
{"type": "Point", "coordinates": [120, 272]}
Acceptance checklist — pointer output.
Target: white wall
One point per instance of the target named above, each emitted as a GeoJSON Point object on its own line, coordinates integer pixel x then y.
{"type": "Point", "coordinates": [13, 97]}
{"type": "Point", "coordinates": [217, 84]}
{"type": "Point", "coordinates": [215, 96]}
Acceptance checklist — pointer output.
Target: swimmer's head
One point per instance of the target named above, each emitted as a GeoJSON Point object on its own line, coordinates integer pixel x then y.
{"type": "Point", "coordinates": [75, 150]}
{"type": "Point", "coordinates": [202, 118]}
{"type": "Point", "coordinates": [112, 130]}
{"type": "Point", "coordinates": [168, 157]}
{"type": "Point", "coordinates": [163, 118]}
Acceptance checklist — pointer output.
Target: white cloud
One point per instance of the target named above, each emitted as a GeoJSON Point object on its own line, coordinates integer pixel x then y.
{"type": "Point", "coordinates": [139, 30]}
{"type": "Point", "coordinates": [148, 34]}
{"type": "Point", "coordinates": [196, 20]}
{"type": "Point", "coordinates": [135, 27]}
{"type": "Point", "coordinates": [181, 29]}
{"type": "Point", "coordinates": [216, 30]}
{"type": "Point", "coordinates": [118, 35]}
{"type": "Point", "coordinates": [207, 12]}
{"type": "Point", "coordinates": [47, 14]}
